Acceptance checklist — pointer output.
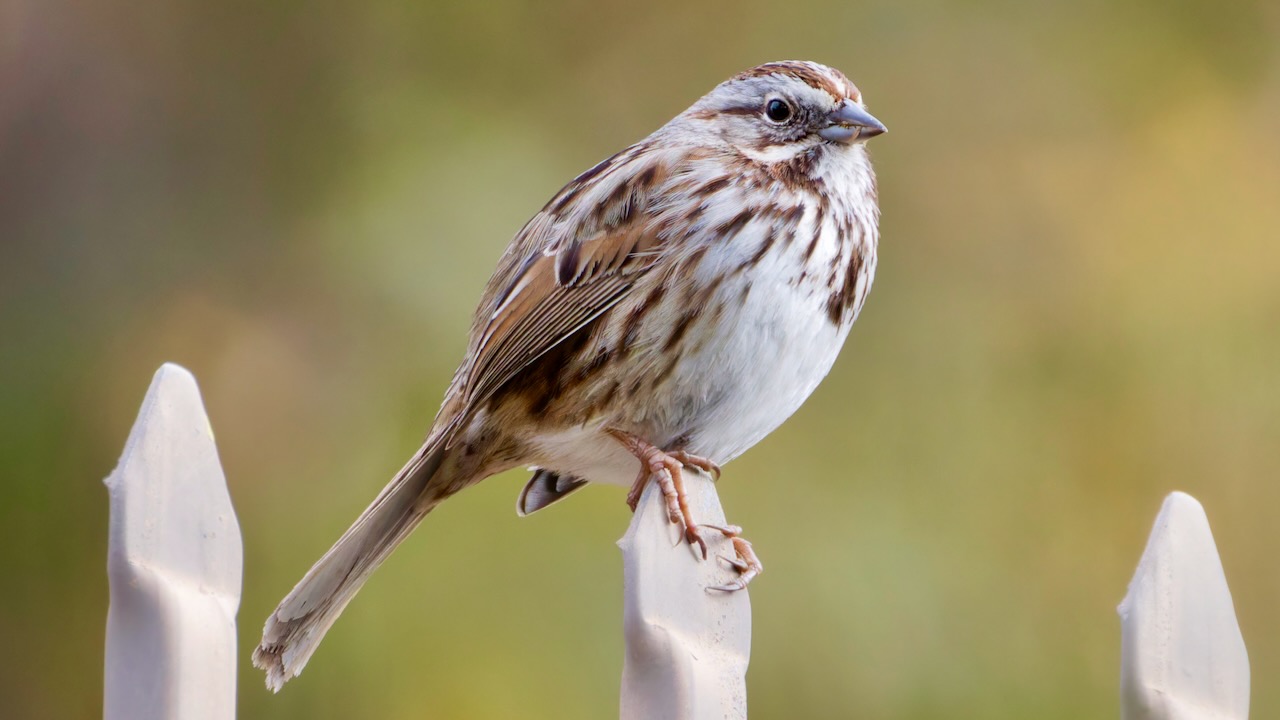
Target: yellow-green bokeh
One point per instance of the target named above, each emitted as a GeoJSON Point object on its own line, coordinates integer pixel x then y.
{"type": "Point", "coordinates": [1077, 311]}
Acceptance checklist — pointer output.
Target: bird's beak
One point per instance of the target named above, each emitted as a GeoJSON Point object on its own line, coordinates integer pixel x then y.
{"type": "Point", "coordinates": [850, 123]}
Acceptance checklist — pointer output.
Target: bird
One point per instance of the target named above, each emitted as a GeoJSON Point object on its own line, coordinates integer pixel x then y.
{"type": "Point", "coordinates": [667, 308]}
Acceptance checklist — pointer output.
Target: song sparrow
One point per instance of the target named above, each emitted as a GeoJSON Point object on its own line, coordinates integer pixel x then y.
{"type": "Point", "coordinates": [670, 306]}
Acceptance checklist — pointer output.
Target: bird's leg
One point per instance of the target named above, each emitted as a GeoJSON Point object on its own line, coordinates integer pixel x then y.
{"type": "Point", "coordinates": [665, 468]}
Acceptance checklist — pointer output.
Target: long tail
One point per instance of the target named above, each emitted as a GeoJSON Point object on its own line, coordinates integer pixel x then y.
{"type": "Point", "coordinates": [297, 626]}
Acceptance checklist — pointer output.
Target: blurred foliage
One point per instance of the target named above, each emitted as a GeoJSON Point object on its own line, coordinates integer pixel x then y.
{"type": "Point", "coordinates": [1078, 310]}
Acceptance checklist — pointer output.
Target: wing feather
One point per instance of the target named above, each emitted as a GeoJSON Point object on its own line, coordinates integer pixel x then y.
{"type": "Point", "coordinates": [571, 263]}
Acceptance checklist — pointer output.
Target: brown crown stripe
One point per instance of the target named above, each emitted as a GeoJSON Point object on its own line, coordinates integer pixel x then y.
{"type": "Point", "coordinates": [834, 83]}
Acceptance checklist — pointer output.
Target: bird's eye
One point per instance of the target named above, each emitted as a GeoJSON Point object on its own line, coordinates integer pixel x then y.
{"type": "Point", "coordinates": [777, 110]}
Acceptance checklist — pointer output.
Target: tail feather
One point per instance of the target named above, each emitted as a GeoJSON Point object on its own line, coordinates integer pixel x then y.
{"type": "Point", "coordinates": [545, 488]}
{"type": "Point", "coordinates": [300, 622]}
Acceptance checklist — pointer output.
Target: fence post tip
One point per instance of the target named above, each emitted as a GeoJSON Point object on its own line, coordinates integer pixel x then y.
{"type": "Point", "coordinates": [1182, 654]}
{"type": "Point", "coordinates": [174, 562]}
{"type": "Point", "coordinates": [687, 649]}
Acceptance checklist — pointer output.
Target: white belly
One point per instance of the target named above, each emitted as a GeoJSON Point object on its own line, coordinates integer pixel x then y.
{"type": "Point", "coordinates": [741, 375]}
{"type": "Point", "coordinates": [754, 353]}
{"type": "Point", "coordinates": [764, 358]}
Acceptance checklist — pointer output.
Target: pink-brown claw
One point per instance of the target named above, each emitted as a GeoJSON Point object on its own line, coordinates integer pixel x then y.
{"type": "Point", "coordinates": [665, 469]}
{"type": "Point", "coordinates": [746, 563]}
{"type": "Point", "coordinates": [729, 531]}
{"type": "Point", "coordinates": [693, 534]}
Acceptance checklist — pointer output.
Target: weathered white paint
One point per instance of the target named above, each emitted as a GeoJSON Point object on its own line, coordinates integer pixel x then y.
{"type": "Point", "coordinates": [687, 648]}
{"type": "Point", "coordinates": [174, 560]}
{"type": "Point", "coordinates": [1182, 655]}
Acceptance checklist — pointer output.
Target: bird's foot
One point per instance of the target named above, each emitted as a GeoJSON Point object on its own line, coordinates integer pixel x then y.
{"type": "Point", "coordinates": [745, 562]}
{"type": "Point", "coordinates": [701, 463]}
{"type": "Point", "coordinates": [666, 469]}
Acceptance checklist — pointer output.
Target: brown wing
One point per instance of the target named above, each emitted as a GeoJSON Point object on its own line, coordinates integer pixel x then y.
{"type": "Point", "coordinates": [573, 261]}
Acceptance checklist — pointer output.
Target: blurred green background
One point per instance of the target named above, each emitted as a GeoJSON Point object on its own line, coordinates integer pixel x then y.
{"type": "Point", "coordinates": [1077, 311]}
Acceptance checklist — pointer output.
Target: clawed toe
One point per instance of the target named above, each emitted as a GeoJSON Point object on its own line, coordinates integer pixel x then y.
{"type": "Point", "coordinates": [693, 534]}
{"type": "Point", "coordinates": [729, 531]}
{"type": "Point", "coordinates": [701, 463]}
{"type": "Point", "coordinates": [637, 488]}
{"type": "Point", "coordinates": [664, 468]}
{"type": "Point", "coordinates": [746, 563]}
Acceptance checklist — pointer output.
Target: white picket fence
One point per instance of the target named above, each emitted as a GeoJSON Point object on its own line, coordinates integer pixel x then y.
{"type": "Point", "coordinates": [175, 559]}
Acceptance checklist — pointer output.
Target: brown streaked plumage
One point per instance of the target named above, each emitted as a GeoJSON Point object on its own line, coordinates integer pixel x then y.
{"type": "Point", "coordinates": [824, 78]}
{"type": "Point", "coordinates": [668, 307]}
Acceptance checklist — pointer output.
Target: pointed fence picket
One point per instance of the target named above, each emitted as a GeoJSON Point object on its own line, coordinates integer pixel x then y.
{"type": "Point", "coordinates": [1182, 654]}
{"type": "Point", "coordinates": [175, 559]}
{"type": "Point", "coordinates": [174, 565]}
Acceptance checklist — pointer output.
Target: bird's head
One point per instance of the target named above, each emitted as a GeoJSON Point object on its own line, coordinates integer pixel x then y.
{"type": "Point", "coordinates": [779, 110]}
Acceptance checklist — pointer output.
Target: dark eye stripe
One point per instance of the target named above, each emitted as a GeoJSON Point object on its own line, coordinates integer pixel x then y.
{"type": "Point", "coordinates": [740, 110]}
